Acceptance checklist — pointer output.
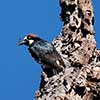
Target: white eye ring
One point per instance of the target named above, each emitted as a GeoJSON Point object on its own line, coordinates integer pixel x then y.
{"type": "Point", "coordinates": [29, 37]}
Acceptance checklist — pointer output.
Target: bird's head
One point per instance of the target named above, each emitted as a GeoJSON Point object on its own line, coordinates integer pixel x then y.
{"type": "Point", "coordinates": [28, 39]}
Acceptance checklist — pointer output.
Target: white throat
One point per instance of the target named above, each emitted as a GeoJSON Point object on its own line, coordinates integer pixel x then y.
{"type": "Point", "coordinates": [30, 42]}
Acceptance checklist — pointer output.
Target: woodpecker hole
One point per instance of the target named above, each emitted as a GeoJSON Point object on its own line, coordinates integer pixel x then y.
{"type": "Point", "coordinates": [80, 90]}
{"type": "Point", "coordinates": [73, 28]}
{"type": "Point", "coordinates": [87, 21]}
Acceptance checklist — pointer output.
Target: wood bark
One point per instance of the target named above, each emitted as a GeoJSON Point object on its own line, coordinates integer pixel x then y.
{"type": "Point", "coordinates": [77, 47]}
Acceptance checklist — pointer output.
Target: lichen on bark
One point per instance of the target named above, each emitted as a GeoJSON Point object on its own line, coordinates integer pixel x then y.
{"type": "Point", "coordinates": [77, 47]}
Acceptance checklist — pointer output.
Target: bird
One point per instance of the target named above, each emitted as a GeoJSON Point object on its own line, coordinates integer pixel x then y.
{"type": "Point", "coordinates": [44, 53]}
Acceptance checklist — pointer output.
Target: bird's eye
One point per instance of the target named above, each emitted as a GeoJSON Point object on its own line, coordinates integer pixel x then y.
{"type": "Point", "coordinates": [29, 37]}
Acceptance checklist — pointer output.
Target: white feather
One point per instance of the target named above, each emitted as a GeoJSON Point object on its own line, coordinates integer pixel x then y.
{"type": "Point", "coordinates": [30, 42]}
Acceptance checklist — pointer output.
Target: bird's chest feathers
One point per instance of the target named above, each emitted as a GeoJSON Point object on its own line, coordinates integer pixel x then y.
{"type": "Point", "coordinates": [39, 49]}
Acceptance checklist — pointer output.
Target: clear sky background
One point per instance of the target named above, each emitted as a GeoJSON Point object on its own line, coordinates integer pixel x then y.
{"type": "Point", "coordinates": [19, 73]}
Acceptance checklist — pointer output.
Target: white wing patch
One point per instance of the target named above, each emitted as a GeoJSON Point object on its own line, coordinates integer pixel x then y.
{"type": "Point", "coordinates": [57, 62]}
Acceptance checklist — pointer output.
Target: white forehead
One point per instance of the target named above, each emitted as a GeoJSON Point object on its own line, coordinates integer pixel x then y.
{"type": "Point", "coordinates": [25, 37]}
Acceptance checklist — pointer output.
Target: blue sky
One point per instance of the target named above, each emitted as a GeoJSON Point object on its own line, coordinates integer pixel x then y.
{"type": "Point", "coordinates": [19, 73]}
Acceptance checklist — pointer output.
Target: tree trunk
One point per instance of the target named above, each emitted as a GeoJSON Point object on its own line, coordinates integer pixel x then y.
{"type": "Point", "coordinates": [77, 47]}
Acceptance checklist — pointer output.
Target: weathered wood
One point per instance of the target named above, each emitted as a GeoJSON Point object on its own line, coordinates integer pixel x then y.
{"type": "Point", "coordinates": [77, 47]}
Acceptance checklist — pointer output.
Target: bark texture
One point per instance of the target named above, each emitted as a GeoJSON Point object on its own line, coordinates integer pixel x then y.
{"type": "Point", "coordinates": [77, 47]}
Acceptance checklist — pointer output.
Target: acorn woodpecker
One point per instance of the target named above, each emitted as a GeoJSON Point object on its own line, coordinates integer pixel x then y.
{"type": "Point", "coordinates": [44, 53]}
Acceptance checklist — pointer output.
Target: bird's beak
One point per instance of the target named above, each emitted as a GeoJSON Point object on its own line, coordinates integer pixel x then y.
{"type": "Point", "coordinates": [22, 42]}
